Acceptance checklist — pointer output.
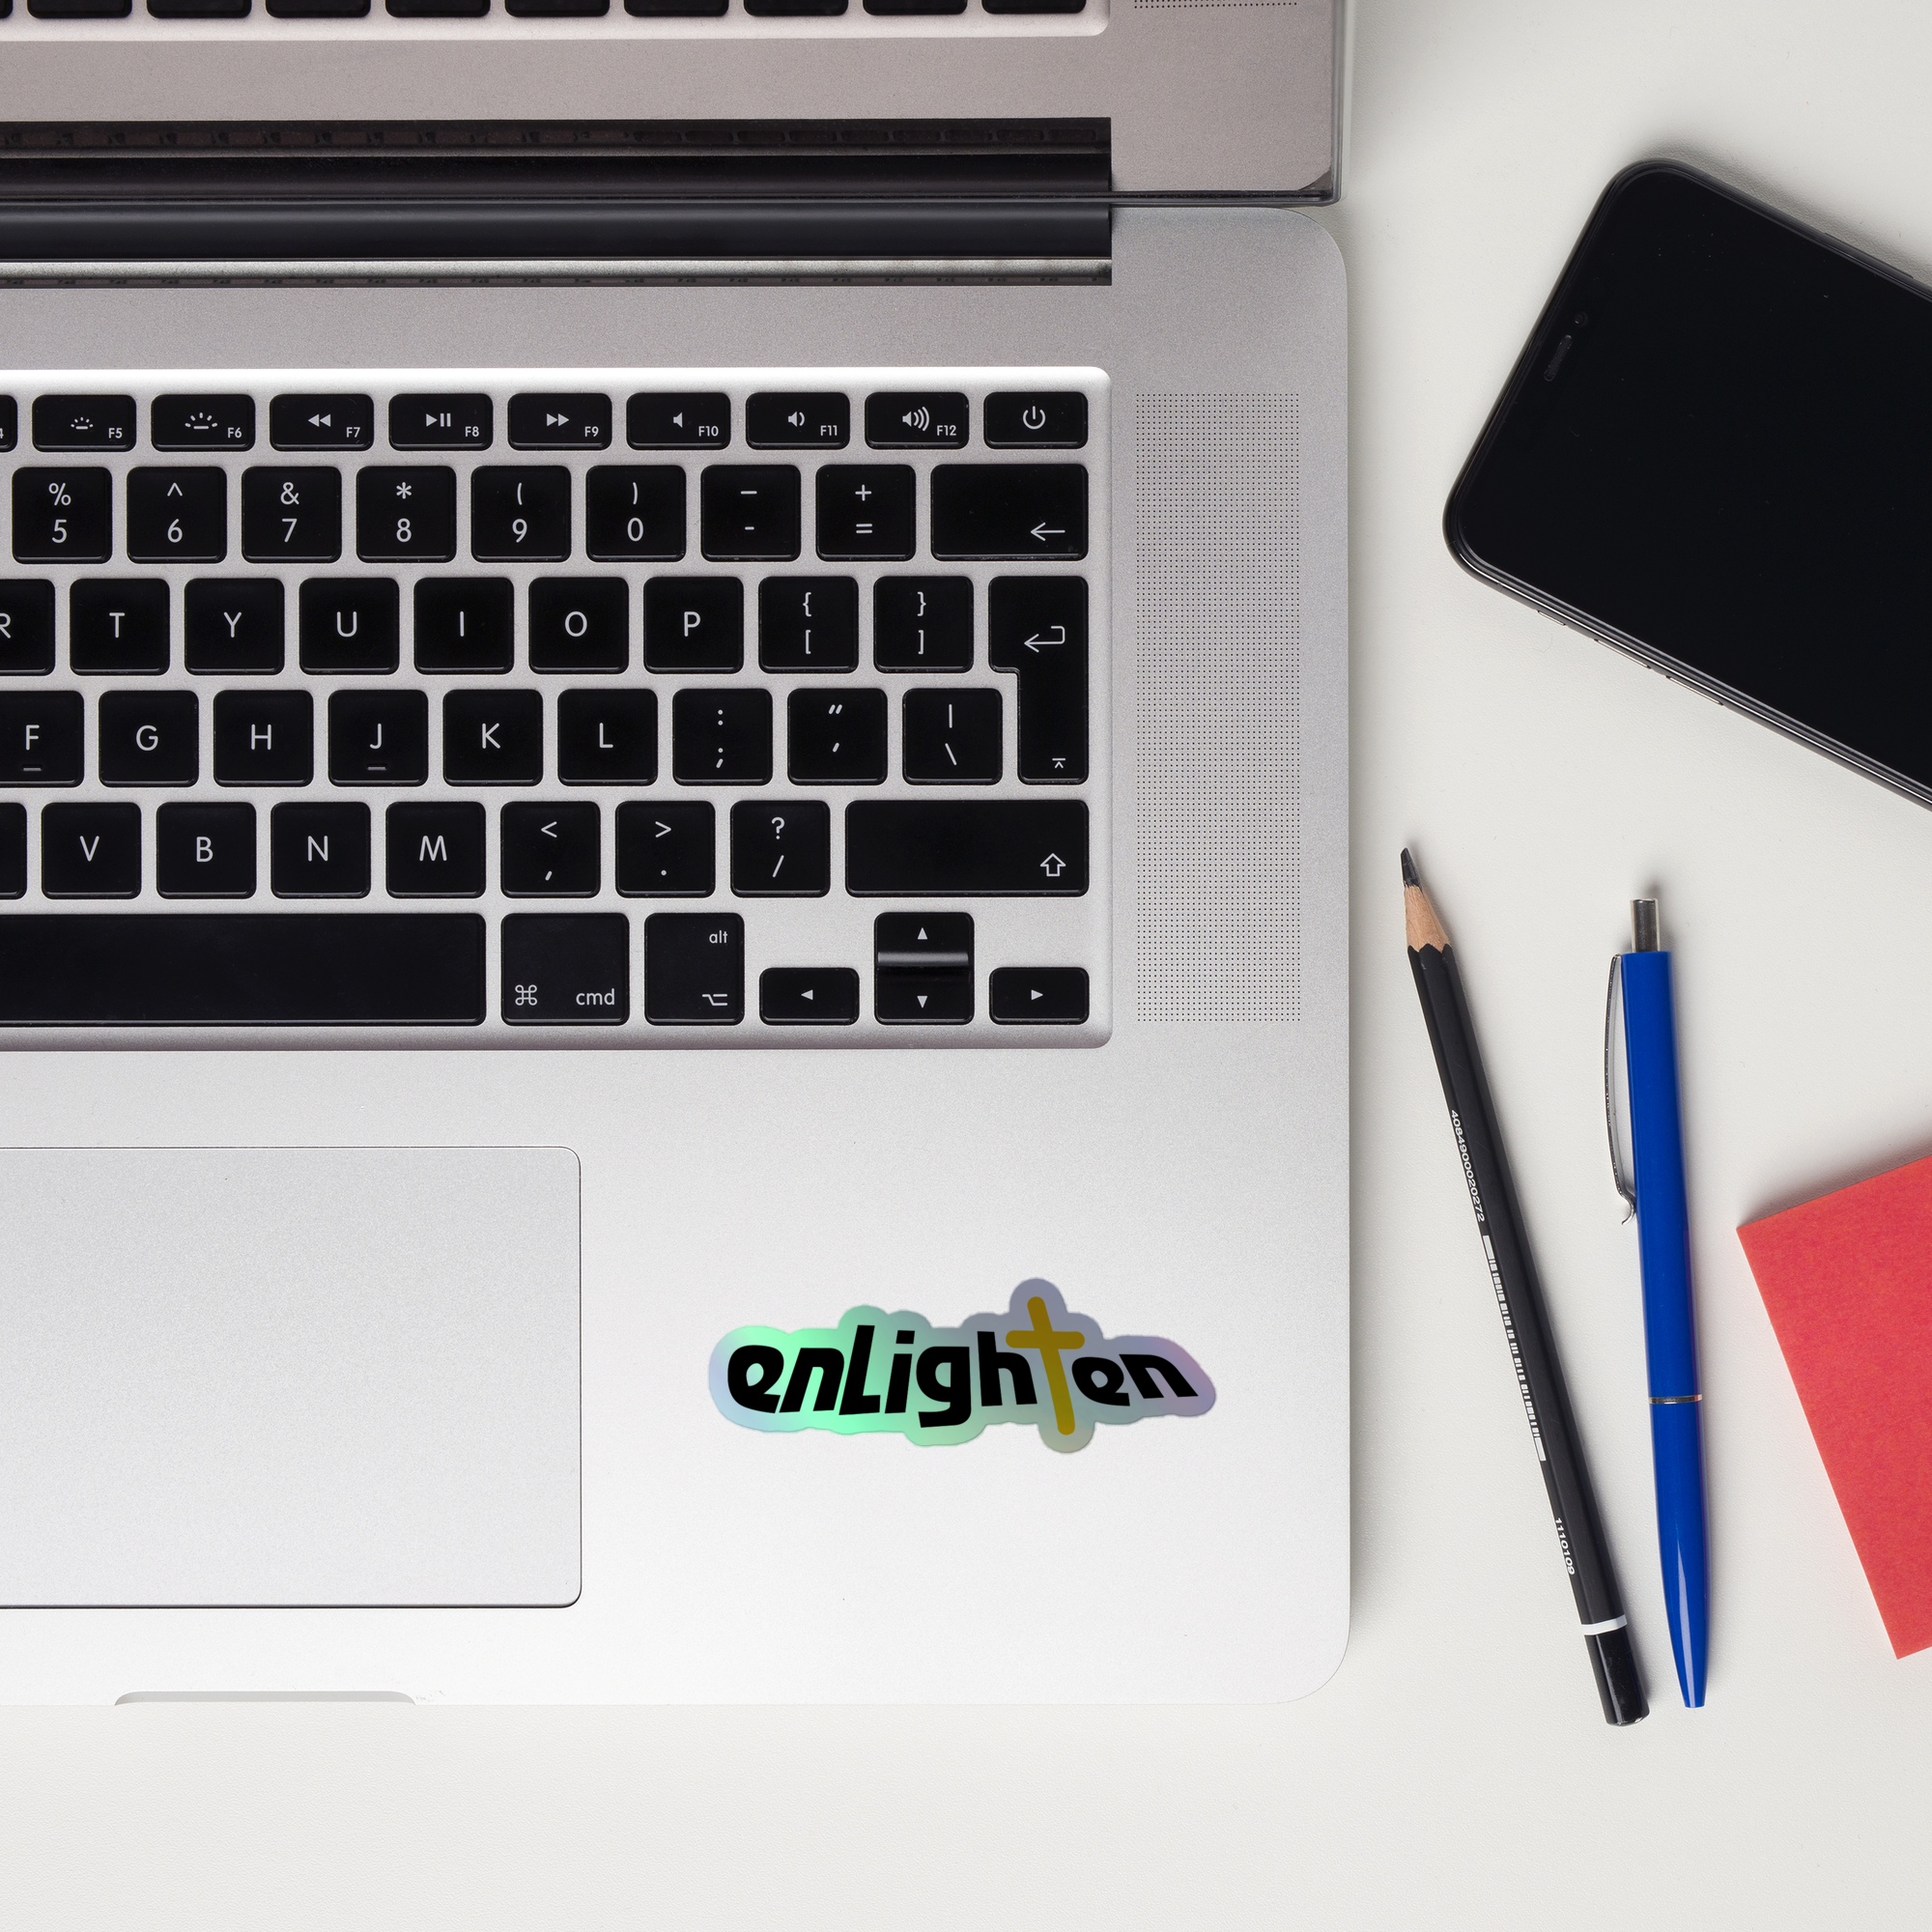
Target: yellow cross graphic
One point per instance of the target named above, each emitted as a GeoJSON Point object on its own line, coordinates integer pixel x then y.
{"type": "Point", "coordinates": [1049, 1340]}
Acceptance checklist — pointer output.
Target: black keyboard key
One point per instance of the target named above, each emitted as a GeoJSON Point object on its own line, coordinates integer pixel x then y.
{"type": "Point", "coordinates": [566, 968]}
{"type": "Point", "coordinates": [264, 737]}
{"type": "Point", "coordinates": [781, 848]}
{"type": "Point", "coordinates": [200, 10]}
{"type": "Point", "coordinates": [552, 851]}
{"type": "Point", "coordinates": [607, 737]}
{"type": "Point", "coordinates": [177, 516]}
{"type": "Point", "coordinates": [693, 623]}
{"type": "Point", "coordinates": [322, 422]}
{"type": "Point", "coordinates": [923, 968]}
{"type": "Point", "coordinates": [438, 10]}
{"type": "Point", "coordinates": [118, 624]}
{"type": "Point", "coordinates": [241, 969]}
{"type": "Point", "coordinates": [666, 851]}
{"type": "Point", "coordinates": [979, 848]}
{"type": "Point", "coordinates": [1037, 6]}
{"type": "Point", "coordinates": [205, 851]}
{"type": "Point", "coordinates": [91, 851]}
{"type": "Point", "coordinates": [922, 942]}
{"type": "Point", "coordinates": [1037, 996]}
{"type": "Point", "coordinates": [749, 511]}
{"type": "Point", "coordinates": [560, 421]}
{"type": "Point", "coordinates": [866, 511]}
{"type": "Point", "coordinates": [781, 10]}
{"type": "Point", "coordinates": [1037, 627]}
{"type": "Point", "coordinates": [464, 623]}
{"type": "Point", "coordinates": [13, 851]}
{"type": "Point", "coordinates": [685, 419]}
{"type": "Point", "coordinates": [201, 422]}
{"type": "Point", "coordinates": [26, 627]}
{"type": "Point", "coordinates": [233, 624]}
{"type": "Point", "coordinates": [519, 513]}
{"type": "Point", "coordinates": [809, 996]}
{"type": "Point", "coordinates": [10, 422]}
{"type": "Point", "coordinates": [291, 516]}
{"type": "Point", "coordinates": [580, 623]}
{"type": "Point", "coordinates": [80, 9]}
{"type": "Point", "coordinates": [693, 968]}
{"type": "Point", "coordinates": [1009, 510]}
{"type": "Point", "coordinates": [150, 737]}
{"type": "Point", "coordinates": [63, 516]}
{"type": "Point", "coordinates": [84, 422]}
{"type": "Point", "coordinates": [809, 623]}
{"type": "Point", "coordinates": [915, 6]}
{"type": "Point", "coordinates": [675, 9]}
{"type": "Point", "coordinates": [952, 737]}
{"type": "Point", "coordinates": [440, 422]}
{"type": "Point", "coordinates": [318, 9]}
{"type": "Point", "coordinates": [492, 737]}
{"type": "Point", "coordinates": [1035, 418]}
{"type": "Point", "coordinates": [404, 514]}
{"type": "Point", "coordinates": [835, 737]}
{"type": "Point", "coordinates": [821, 420]}
{"type": "Point", "coordinates": [348, 624]}
{"type": "Point", "coordinates": [925, 420]}
{"type": "Point", "coordinates": [923, 623]}
{"type": "Point", "coordinates": [378, 737]}
{"type": "Point", "coordinates": [634, 511]}
{"type": "Point", "coordinates": [435, 851]}
{"type": "Point", "coordinates": [720, 737]}
{"type": "Point", "coordinates": [41, 738]}
{"type": "Point", "coordinates": [319, 851]}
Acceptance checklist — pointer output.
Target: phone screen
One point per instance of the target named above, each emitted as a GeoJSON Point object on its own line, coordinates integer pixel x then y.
{"type": "Point", "coordinates": [1716, 452]}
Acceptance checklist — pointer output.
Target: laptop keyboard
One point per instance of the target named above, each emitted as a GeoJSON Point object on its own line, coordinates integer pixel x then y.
{"type": "Point", "coordinates": [620, 708]}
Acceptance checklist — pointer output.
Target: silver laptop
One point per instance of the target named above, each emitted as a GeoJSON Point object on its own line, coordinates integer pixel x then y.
{"type": "Point", "coordinates": [673, 881]}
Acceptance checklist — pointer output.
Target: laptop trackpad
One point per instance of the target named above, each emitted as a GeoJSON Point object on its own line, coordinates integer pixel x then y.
{"type": "Point", "coordinates": [289, 1375]}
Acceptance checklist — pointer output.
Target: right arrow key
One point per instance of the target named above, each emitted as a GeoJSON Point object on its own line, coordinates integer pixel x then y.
{"type": "Point", "coordinates": [1037, 996]}
{"type": "Point", "coordinates": [1009, 510]}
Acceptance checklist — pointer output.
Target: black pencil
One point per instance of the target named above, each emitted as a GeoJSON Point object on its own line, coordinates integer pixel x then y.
{"type": "Point", "coordinates": [1539, 1375]}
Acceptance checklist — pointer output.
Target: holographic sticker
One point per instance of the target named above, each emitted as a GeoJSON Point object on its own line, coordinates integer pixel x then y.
{"type": "Point", "coordinates": [877, 1371]}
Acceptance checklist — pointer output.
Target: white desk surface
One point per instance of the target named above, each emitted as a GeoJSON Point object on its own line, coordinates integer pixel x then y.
{"type": "Point", "coordinates": [1456, 1772]}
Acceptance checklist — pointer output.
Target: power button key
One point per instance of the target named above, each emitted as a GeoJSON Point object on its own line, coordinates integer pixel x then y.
{"type": "Point", "coordinates": [1035, 420]}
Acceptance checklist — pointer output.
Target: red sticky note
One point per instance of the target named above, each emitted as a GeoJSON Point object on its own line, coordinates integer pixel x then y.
{"type": "Point", "coordinates": [1848, 1284]}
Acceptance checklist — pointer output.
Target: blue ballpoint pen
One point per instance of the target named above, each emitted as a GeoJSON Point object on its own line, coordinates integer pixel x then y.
{"type": "Point", "coordinates": [1669, 1329]}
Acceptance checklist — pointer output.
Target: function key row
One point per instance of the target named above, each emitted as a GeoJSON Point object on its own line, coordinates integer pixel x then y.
{"type": "Point", "coordinates": [864, 512]}
{"type": "Point", "coordinates": [496, 737]}
{"type": "Point", "coordinates": [773, 419]}
{"type": "Point", "coordinates": [779, 848]}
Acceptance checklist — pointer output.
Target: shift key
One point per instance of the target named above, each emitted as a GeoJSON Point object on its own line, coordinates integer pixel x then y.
{"type": "Point", "coordinates": [1009, 510]}
{"type": "Point", "coordinates": [966, 848]}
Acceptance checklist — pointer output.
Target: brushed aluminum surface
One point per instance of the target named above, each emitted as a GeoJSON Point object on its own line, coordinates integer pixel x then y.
{"type": "Point", "coordinates": [1189, 1181]}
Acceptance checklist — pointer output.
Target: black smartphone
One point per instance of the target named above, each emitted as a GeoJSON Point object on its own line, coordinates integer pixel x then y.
{"type": "Point", "coordinates": [1715, 453]}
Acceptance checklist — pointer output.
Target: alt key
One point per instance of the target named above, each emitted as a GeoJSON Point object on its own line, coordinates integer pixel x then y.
{"type": "Point", "coordinates": [1037, 996]}
{"type": "Point", "coordinates": [809, 996]}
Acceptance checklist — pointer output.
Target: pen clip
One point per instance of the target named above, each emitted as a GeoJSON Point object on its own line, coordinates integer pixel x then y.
{"type": "Point", "coordinates": [1625, 1191]}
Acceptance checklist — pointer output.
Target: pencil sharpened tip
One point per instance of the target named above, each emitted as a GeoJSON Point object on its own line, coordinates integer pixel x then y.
{"type": "Point", "coordinates": [1408, 877]}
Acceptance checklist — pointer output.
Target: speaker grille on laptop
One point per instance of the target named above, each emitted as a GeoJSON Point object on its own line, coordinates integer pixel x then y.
{"type": "Point", "coordinates": [1217, 675]}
